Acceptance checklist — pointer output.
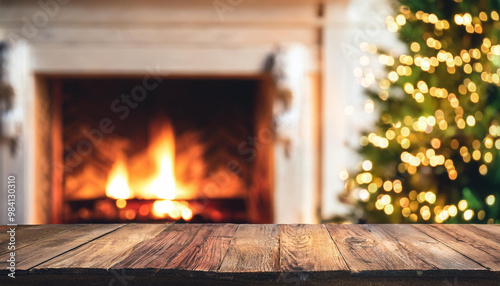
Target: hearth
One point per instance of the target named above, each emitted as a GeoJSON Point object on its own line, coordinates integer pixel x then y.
{"type": "Point", "coordinates": [162, 149]}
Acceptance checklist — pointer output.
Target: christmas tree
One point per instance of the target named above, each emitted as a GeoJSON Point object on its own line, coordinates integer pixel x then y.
{"type": "Point", "coordinates": [433, 156]}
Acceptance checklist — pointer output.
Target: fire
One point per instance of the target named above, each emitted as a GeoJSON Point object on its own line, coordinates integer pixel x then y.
{"type": "Point", "coordinates": [117, 186]}
{"type": "Point", "coordinates": [163, 154]}
{"type": "Point", "coordinates": [157, 182]}
{"type": "Point", "coordinates": [174, 209]}
{"type": "Point", "coordinates": [162, 207]}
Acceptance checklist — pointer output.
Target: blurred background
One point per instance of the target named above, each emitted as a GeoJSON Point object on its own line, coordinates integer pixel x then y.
{"type": "Point", "coordinates": [253, 111]}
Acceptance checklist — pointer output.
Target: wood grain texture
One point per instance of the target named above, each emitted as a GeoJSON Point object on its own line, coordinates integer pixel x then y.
{"type": "Point", "coordinates": [308, 248]}
{"type": "Point", "coordinates": [103, 252]}
{"type": "Point", "coordinates": [488, 231]}
{"type": "Point", "coordinates": [167, 249]}
{"type": "Point", "coordinates": [208, 256]}
{"type": "Point", "coordinates": [389, 250]}
{"type": "Point", "coordinates": [421, 250]}
{"type": "Point", "coordinates": [222, 254]}
{"type": "Point", "coordinates": [364, 250]}
{"type": "Point", "coordinates": [29, 234]}
{"type": "Point", "coordinates": [46, 249]}
{"type": "Point", "coordinates": [467, 240]}
{"type": "Point", "coordinates": [254, 248]}
{"type": "Point", "coordinates": [193, 254]}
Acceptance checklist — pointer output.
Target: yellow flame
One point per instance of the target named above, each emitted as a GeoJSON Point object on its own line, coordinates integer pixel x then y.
{"type": "Point", "coordinates": [159, 185]}
{"type": "Point", "coordinates": [117, 186]}
{"type": "Point", "coordinates": [163, 152]}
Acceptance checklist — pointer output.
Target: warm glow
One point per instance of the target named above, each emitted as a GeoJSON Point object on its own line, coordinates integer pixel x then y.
{"type": "Point", "coordinates": [163, 153]}
{"type": "Point", "coordinates": [462, 205]}
{"type": "Point", "coordinates": [121, 203]}
{"type": "Point", "coordinates": [490, 200]}
{"type": "Point", "coordinates": [187, 214]}
{"type": "Point", "coordinates": [468, 214]}
{"type": "Point", "coordinates": [364, 195]}
{"type": "Point", "coordinates": [117, 186]}
{"type": "Point", "coordinates": [162, 208]}
{"type": "Point", "coordinates": [156, 182]}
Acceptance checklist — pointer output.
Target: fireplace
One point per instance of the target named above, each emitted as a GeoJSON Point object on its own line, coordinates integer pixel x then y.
{"type": "Point", "coordinates": [230, 117]}
{"type": "Point", "coordinates": [162, 148]}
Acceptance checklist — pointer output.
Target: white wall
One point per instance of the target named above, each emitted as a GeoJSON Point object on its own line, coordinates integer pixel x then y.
{"type": "Point", "coordinates": [349, 23]}
{"type": "Point", "coordinates": [15, 158]}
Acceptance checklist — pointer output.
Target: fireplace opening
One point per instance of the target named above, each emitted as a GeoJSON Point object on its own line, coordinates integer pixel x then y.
{"type": "Point", "coordinates": [161, 149]}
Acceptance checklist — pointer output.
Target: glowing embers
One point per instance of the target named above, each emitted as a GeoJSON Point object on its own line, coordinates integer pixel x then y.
{"type": "Point", "coordinates": [117, 186]}
{"type": "Point", "coordinates": [172, 209]}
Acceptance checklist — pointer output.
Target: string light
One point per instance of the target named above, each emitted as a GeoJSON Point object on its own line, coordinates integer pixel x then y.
{"type": "Point", "coordinates": [423, 141]}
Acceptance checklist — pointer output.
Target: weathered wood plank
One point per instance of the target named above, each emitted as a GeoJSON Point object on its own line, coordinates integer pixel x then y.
{"type": "Point", "coordinates": [46, 249]}
{"type": "Point", "coordinates": [208, 257]}
{"type": "Point", "coordinates": [254, 248]}
{"type": "Point", "coordinates": [186, 255]}
{"type": "Point", "coordinates": [364, 250]}
{"type": "Point", "coordinates": [5, 237]}
{"type": "Point", "coordinates": [391, 249]}
{"type": "Point", "coordinates": [29, 234]}
{"type": "Point", "coordinates": [167, 249]}
{"type": "Point", "coordinates": [424, 250]}
{"type": "Point", "coordinates": [308, 248]}
{"type": "Point", "coordinates": [488, 231]}
{"type": "Point", "coordinates": [467, 241]}
{"type": "Point", "coordinates": [103, 252]}
{"type": "Point", "coordinates": [262, 254]}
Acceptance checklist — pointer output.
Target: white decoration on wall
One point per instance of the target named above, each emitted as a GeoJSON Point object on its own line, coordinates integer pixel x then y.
{"type": "Point", "coordinates": [10, 112]}
{"type": "Point", "coordinates": [288, 68]}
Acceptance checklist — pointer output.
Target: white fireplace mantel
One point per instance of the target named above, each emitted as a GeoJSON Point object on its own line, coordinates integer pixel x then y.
{"type": "Point", "coordinates": [176, 38]}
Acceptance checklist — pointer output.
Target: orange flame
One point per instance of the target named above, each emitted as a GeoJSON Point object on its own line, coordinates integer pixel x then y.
{"type": "Point", "coordinates": [161, 184]}
{"type": "Point", "coordinates": [117, 186]}
{"type": "Point", "coordinates": [163, 153]}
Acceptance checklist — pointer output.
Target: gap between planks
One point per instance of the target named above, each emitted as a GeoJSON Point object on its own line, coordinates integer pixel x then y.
{"type": "Point", "coordinates": [69, 250]}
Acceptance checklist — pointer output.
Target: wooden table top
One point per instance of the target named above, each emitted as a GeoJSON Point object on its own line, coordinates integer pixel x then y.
{"type": "Point", "coordinates": [204, 254]}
